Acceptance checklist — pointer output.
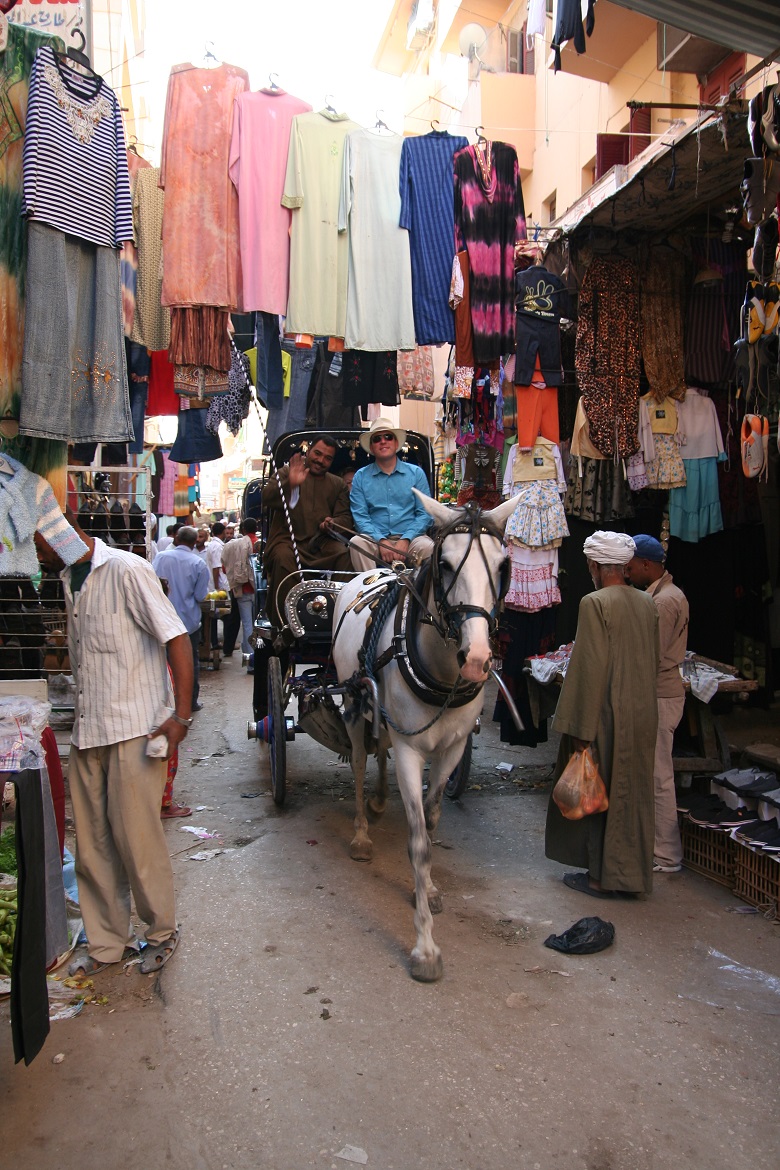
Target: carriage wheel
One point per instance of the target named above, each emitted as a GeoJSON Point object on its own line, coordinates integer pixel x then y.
{"type": "Point", "coordinates": [277, 742]}
{"type": "Point", "coordinates": [459, 777]}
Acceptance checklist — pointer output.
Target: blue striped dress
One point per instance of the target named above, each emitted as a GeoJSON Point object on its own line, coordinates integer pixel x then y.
{"type": "Point", "coordinates": [428, 214]}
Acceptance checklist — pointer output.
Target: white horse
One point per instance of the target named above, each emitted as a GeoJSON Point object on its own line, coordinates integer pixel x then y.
{"type": "Point", "coordinates": [431, 659]}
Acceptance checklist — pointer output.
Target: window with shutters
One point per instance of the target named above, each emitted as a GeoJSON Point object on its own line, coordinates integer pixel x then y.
{"type": "Point", "coordinates": [588, 176]}
{"type": "Point", "coordinates": [611, 151]}
{"type": "Point", "coordinates": [519, 58]}
{"type": "Point", "coordinates": [639, 132]}
{"type": "Point", "coordinates": [717, 84]}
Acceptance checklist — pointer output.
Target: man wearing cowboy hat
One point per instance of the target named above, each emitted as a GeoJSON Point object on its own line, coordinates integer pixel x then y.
{"type": "Point", "coordinates": [389, 518]}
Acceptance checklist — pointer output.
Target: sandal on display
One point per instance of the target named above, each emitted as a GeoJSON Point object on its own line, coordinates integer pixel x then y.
{"type": "Point", "coordinates": [154, 958]}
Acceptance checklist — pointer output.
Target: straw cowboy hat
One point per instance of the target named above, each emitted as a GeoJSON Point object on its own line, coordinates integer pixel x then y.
{"type": "Point", "coordinates": [379, 426]}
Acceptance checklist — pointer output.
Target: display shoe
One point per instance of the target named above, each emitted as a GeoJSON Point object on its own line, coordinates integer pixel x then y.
{"type": "Point", "coordinates": [731, 818]}
{"type": "Point", "coordinates": [694, 800]}
{"type": "Point", "coordinates": [747, 781]}
{"type": "Point", "coordinates": [758, 833]}
{"type": "Point", "coordinates": [707, 815]}
{"type": "Point", "coordinates": [755, 129]}
{"type": "Point", "coordinates": [759, 189]}
{"type": "Point", "coordinates": [136, 520]}
{"type": "Point", "coordinates": [765, 249]}
{"type": "Point", "coordinates": [753, 312]}
{"type": "Point", "coordinates": [771, 306]}
{"type": "Point", "coordinates": [754, 441]}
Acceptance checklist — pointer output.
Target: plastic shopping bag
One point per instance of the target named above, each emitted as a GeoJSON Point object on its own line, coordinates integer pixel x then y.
{"type": "Point", "coordinates": [580, 790]}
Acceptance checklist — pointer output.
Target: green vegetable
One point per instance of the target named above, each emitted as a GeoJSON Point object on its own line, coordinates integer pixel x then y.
{"type": "Point", "coordinates": [8, 850]}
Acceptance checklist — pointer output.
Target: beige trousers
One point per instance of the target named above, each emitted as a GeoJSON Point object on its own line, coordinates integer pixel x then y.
{"type": "Point", "coordinates": [668, 846]}
{"type": "Point", "coordinates": [120, 845]}
{"type": "Point", "coordinates": [364, 552]}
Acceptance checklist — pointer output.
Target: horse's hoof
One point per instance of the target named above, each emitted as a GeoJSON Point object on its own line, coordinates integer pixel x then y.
{"type": "Point", "coordinates": [376, 808]}
{"type": "Point", "coordinates": [427, 969]}
{"type": "Point", "coordinates": [361, 849]}
{"type": "Point", "coordinates": [435, 904]}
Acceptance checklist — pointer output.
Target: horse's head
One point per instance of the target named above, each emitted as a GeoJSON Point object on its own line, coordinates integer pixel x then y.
{"type": "Point", "coordinates": [469, 570]}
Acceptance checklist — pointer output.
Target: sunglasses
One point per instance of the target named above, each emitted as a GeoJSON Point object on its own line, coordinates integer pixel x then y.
{"type": "Point", "coordinates": [382, 439]}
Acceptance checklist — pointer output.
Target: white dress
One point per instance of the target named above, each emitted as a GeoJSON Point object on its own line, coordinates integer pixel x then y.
{"type": "Point", "coordinates": [379, 282]}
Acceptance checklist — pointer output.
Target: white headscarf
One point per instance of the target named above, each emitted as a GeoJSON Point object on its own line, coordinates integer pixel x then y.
{"type": "Point", "coordinates": [609, 548]}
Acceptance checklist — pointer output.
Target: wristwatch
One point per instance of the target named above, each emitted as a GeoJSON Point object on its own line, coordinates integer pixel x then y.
{"type": "Point", "coordinates": [183, 722]}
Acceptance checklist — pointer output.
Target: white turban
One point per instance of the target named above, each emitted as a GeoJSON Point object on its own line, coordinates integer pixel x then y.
{"type": "Point", "coordinates": [609, 548]}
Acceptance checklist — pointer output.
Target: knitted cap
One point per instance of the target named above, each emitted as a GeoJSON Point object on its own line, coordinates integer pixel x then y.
{"type": "Point", "coordinates": [649, 549]}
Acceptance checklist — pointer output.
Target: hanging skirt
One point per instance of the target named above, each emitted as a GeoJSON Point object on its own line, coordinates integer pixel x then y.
{"type": "Point", "coordinates": [694, 510]}
{"type": "Point", "coordinates": [74, 379]}
{"type": "Point", "coordinates": [538, 520]}
{"type": "Point", "coordinates": [601, 494]}
{"type": "Point", "coordinates": [534, 580]}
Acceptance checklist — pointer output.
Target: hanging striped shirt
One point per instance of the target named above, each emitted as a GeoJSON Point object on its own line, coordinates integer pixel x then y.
{"type": "Point", "coordinates": [119, 623]}
{"type": "Point", "coordinates": [74, 163]}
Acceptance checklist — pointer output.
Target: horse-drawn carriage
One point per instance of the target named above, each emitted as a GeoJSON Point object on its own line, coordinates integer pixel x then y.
{"type": "Point", "coordinates": [395, 657]}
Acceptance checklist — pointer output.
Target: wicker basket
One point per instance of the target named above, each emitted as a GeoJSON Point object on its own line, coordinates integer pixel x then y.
{"type": "Point", "coordinates": [709, 851]}
{"type": "Point", "coordinates": [757, 879]}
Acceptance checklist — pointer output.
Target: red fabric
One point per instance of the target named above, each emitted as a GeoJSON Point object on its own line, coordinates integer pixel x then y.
{"type": "Point", "coordinates": [56, 782]}
{"type": "Point", "coordinates": [161, 398]}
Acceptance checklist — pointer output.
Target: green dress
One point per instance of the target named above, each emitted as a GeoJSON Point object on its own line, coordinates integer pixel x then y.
{"type": "Point", "coordinates": [609, 699]}
{"type": "Point", "coordinates": [43, 456]}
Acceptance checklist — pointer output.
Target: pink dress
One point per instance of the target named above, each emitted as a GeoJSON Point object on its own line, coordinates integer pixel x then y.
{"type": "Point", "coordinates": [258, 160]}
{"type": "Point", "coordinates": [201, 260]}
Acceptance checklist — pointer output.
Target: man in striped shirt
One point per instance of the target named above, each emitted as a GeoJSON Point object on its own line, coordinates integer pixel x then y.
{"type": "Point", "coordinates": [120, 625]}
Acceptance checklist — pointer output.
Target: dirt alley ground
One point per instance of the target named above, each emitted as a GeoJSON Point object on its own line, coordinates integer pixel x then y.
{"type": "Point", "coordinates": [287, 1027]}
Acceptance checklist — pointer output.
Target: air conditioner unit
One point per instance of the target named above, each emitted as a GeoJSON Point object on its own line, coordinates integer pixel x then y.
{"type": "Point", "coordinates": [421, 24]}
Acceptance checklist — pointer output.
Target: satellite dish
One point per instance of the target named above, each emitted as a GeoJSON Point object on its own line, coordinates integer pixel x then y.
{"type": "Point", "coordinates": [472, 38]}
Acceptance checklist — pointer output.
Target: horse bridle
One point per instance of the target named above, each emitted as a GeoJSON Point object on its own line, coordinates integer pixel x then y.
{"type": "Point", "coordinates": [453, 616]}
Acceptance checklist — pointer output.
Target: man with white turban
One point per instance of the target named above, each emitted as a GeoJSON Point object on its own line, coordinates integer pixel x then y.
{"type": "Point", "coordinates": [608, 703]}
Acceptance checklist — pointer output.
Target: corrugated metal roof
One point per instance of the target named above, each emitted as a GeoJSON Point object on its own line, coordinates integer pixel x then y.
{"type": "Point", "coordinates": [750, 26]}
{"type": "Point", "coordinates": [670, 182]}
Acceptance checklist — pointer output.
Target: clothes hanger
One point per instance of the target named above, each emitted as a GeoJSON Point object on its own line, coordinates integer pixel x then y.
{"type": "Point", "coordinates": [481, 139]}
{"type": "Point", "coordinates": [77, 54]}
{"type": "Point", "coordinates": [329, 107]}
{"type": "Point", "coordinates": [133, 145]}
{"type": "Point", "coordinates": [210, 60]}
{"type": "Point", "coordinates": [436, 126]}
{"type": "Point", "coordinates": [379, 125]}
{"type": "Point", "coordinates": [273, 86]}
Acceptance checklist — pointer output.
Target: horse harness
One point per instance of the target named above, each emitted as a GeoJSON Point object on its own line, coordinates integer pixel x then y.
{"type": "Point", "coordinates": [405, 593]}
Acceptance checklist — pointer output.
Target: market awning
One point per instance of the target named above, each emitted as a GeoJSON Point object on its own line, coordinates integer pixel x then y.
{"type": "Point", "coordinates": [750, 26]}
{"type": "Point", "coordinates": [669, 182]}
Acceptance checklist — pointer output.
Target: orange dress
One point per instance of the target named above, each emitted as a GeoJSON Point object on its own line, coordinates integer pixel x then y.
{"type": "Point", "coordinates": [201, 258]}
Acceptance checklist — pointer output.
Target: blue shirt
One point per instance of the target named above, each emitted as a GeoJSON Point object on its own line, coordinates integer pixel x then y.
{"type": "Point", "coordinates": [383, 505]}
{"type": "Point", "coordinates": [188, 580]}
